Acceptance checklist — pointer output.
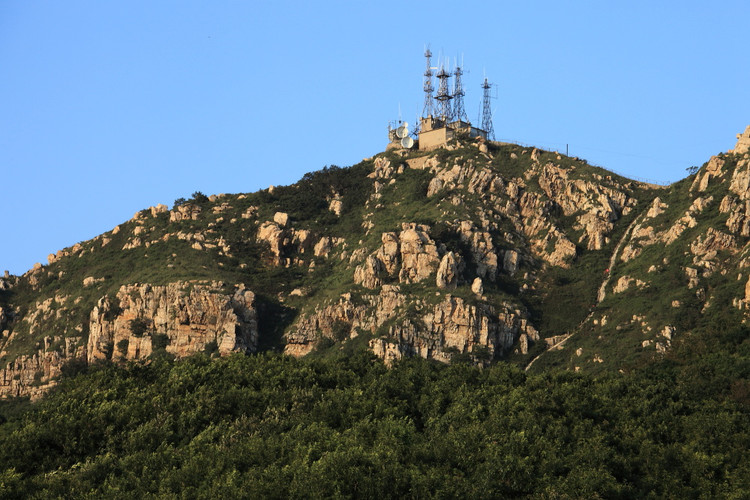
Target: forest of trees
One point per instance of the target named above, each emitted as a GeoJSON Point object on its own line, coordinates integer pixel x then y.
{"type": "Point", "coordinates": [274, 426]}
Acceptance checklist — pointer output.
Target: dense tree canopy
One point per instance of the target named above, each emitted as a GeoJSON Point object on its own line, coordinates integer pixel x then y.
{"type": "Point", "coordinates": [273, 426]}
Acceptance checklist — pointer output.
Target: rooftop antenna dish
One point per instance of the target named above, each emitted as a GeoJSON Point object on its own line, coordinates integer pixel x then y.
{"type": "Point", "coordinates": [402, 131]}
{"type": "Point", "coordinates": [407, 142]}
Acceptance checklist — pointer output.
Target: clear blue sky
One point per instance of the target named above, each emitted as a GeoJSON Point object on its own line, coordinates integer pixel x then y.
{"type": "Point", "coordinates": [108, 107]}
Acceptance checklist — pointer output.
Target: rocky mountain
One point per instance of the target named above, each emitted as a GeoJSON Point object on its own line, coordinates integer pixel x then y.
{"type": "Point", "coordinates": [478, 252]}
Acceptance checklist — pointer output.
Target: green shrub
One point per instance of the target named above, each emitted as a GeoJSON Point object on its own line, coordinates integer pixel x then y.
{"type": "Point", "coordinates": [341, 330]}
{"type": "Point", "coordinates": [159, 341]}
{"type": "Point", "coordinates": [122, 346]}
{"type": "Point", "coordinates": [199, 198]}
{"type": "Point", "coordinates": [211, 348]}
{"type": "Point", "coordinates": [139, 327]}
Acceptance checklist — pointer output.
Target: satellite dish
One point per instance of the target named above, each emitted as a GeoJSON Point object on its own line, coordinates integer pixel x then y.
{"type": "Point", "coordinates": [402, 131]}
{"type": "Point", "coordinates": [407, 142]}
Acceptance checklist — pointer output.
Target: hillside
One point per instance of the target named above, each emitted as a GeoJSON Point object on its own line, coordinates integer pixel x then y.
{"type": "Point", "coordinates": [679, 272]}
{"type": "Point", "coordinates": [477, 252]}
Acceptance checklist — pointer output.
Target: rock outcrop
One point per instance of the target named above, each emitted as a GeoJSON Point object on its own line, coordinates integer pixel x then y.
{"type": "Point", "coordinates": [184, 318]}
{"type": "Point", "coordinates": [714, 169]}
{"type": "Point", "coordinates": [186, 211]}
{"type": "Point", "coordinates": [599, 206]}
{"type": "Point", "coordinates": [343, 319]}
{"type": "Point", "coordinates": [410, 255]}
{"type": "Point", "coordinates": [416, 328]}
{"type": "Point", "coordinates": [447, 274]}
{"type": "Point", "coordinates": [737, 204]}
{"type": "Point", "coordinates": [455, 327]}
{"type": "Point", "coordinates": [625, 282]}
{"type": "Point", "coordinates": [743, 142]}
{"type": "Point", "coordinates": [419, 257]}
{"type": "Point", "coordinates": [33, 375]}
{"type": "Point", "coordinates": [290, 246]}
{"type": "Point", "coordinates": [483, 251]}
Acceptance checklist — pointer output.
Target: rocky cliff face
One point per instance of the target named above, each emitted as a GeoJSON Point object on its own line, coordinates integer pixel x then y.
{"type": "Point", "coordinates": [184, 318]}
{"type": "Point", "coordinates": [181, 318]}
{"type": "Point", "coordinates": [455, 327]}
{"type": "Point", "coordinates": [33, 375]}
{"type": "Point", "coordinates": [412, 326]}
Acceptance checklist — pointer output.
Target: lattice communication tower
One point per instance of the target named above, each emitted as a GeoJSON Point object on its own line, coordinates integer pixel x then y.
{"type": "Point", "coordinates": [428, 88]}
{"type": "Point", "coordinates": [443, 96]}
{"type": "Point", "coordinates": [459, 113]}
{"type": "Point", "coordinates": [487, 111]}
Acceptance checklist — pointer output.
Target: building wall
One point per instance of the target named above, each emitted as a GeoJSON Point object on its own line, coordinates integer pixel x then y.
{"type": "Point", "coordinates": [434, 138]}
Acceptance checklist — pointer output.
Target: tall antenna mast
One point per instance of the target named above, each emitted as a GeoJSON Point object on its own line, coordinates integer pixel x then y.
{"type": "Point", "coordinates": [458, 96]}
{"type": "Point", "coordinates": [487, 111]}
{"type": "Point", "coordinates": [443, 96]}
{"type": "Point", "coordinates": [428, 88]}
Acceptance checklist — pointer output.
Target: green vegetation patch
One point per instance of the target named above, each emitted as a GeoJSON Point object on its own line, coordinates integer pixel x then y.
{"type": "Point", "coordinates": [347, 427]}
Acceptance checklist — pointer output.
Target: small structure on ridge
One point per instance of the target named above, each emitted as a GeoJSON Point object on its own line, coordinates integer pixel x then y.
{"type": "Point", "coordinates": [445, 119]}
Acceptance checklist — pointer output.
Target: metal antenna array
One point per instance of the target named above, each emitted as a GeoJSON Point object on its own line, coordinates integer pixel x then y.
{"type": "Point", "coordinates": [443, 96]}
{"type": "Point", "coordinates": [428, 88]}
{"type": "Point", "coordinates": [459, 113]}
{"type": "Point", "coordinates": [487, 111]}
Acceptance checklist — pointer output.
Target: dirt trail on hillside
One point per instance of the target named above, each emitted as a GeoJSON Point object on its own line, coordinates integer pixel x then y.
{"type": "Point", "coordinates": [600, 295]}
{"type": "Point", "coordinates": [613, 260]}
